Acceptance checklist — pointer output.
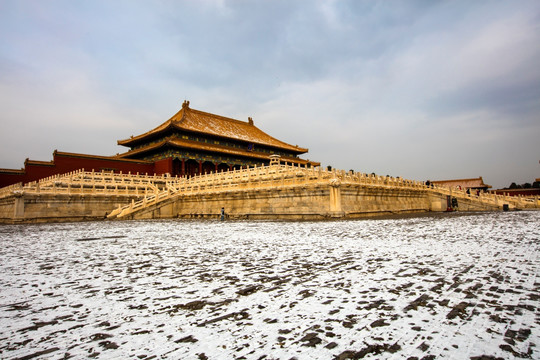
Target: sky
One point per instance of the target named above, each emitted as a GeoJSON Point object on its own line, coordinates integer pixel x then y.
{"type": "Point", "coordinates": [418, 89]}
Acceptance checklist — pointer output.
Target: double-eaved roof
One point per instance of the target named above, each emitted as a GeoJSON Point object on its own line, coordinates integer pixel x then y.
{"type": "Point", "coordinates": [200, 122]}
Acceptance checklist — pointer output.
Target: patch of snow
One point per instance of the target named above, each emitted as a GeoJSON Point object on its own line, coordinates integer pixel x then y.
{"type": "Point", "coordinates": [456, 286]}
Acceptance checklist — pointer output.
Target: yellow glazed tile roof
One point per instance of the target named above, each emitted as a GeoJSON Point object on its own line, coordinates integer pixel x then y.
{"type": "Point", "coordinates": [215, 125]}
{"type": "Point", "coordinates": [189, 144]}
{"type": "Point", "coordinates": [464, 183]}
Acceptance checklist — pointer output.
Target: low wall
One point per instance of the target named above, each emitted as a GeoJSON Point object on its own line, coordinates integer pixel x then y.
{"type": "Point", "coordinates": [364, 201]}
{"type": "Point", "coordinates": [312, 201]}
{"type": "Point", "coordinates": [275, 192]}
{"type": "Point", "coordinates": [295, 203]}
{"type": "Point", "coordinates": [38, 208]}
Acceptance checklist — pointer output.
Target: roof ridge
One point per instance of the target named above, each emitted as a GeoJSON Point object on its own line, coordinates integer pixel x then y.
{"type": "Point", "coordinates": [198, 121]}
{"type": "Point", "coordinates": [6, 170]}
{"type": "Point", "coordinates": [221, 117]}
{"type": "Point", "coordinates": [478, 178]}
{"type": "Point", "coordinates": [38, 162]}
{"type": "Point", "coordinates": [103, 157]}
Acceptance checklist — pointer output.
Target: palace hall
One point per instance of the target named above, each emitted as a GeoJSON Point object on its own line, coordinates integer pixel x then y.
{"type": "Point", "coordinates": [191, 142]}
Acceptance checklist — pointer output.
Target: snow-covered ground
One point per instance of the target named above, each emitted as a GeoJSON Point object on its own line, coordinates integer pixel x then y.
{"type": "Point", "coordinates": [447, 286]}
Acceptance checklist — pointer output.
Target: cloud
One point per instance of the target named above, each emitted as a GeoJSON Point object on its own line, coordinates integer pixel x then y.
{"type": "Point", "coordinates": [417, 89]}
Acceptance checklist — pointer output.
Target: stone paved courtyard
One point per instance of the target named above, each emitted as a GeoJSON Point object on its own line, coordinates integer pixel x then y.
{"type": "Point", "coordinates": [453, 286]}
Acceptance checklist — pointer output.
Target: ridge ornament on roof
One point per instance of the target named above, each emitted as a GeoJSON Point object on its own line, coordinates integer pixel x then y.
{"type": "Point", "coordinates": [193, 142]}
{"type": "Point", "coordinates": [207, 124]}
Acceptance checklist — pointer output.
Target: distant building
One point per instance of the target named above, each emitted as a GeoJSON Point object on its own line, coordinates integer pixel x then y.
{"type": "Point", "coordinates": [533, 191]}
{"type": "Point", "coordinates": [191, 142]}
{"type": "Point", "coordinates": [464, 184]}
{"type": "Point", "coordinates": [517, 192]}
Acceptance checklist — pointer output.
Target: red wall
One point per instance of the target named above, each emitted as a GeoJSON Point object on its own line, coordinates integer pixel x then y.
{"type": "Point", "coordinates": [163, 166]}
{"type": "Point", "coordinates": [63, 163]}
{"type": "Point", "coordinates": [517, 192]}
{"type": "Point", "coordinates": [35, 172]}
{"type": "Point", "coordinates": [8, 179]}
{"type": "Point", "coordinates": [66, 163]}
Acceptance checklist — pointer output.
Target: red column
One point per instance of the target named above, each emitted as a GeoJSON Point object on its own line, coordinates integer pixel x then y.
{"type": "Point", "coordinates": [183, 169]}
{"type": "Point", "coordinates": [200, 167]}
{"type": "Point", "coordinates": [216, 166]}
